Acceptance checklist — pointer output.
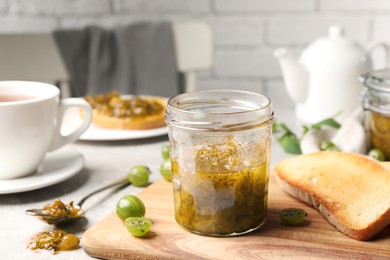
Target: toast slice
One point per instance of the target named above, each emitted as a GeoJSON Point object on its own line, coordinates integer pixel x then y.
{"type": "Point", "coordinates": [351, 191]}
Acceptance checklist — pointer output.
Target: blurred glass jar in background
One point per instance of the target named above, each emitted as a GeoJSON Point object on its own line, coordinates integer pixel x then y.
{"type": "Point", "coordinates": [220, 151]}
{"type": "Point", "coordinates": [376, 103]}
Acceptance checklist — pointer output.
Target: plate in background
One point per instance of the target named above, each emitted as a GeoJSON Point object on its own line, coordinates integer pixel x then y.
{"type": "Point", "coordinates": [95, 133]}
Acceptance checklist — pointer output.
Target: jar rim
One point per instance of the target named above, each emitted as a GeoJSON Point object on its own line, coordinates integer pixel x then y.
{"type": "Point", "coordinates": [218, 109]}
{"type": "Point", "coordinates": [378, 80]}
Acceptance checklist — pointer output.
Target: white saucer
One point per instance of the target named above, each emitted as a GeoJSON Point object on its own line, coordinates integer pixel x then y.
{"type": "Point", "coordinates": [57, 166]}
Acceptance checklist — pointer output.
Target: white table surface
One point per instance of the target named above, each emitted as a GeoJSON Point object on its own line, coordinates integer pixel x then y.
{"type": "Point", "coordinates": [104, 163]}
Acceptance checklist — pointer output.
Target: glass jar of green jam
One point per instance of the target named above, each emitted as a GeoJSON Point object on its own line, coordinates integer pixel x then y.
{"type": "Point", "coordinates": [220, 151]}
{"type": "Point", "coordinates": [376, 103]}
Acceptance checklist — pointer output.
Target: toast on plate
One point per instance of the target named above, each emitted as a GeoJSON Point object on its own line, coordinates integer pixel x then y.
{"type": "Point", "coordinates": [114, 111]}
{"type": "Point", "coordinates": [351, 191]}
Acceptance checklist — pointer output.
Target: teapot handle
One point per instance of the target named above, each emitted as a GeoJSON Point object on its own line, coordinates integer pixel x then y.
{"type": "Point", "coordinates": [385, 48]}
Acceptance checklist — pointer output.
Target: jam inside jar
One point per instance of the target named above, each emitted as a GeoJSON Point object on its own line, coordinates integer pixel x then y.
{"type": "Point", "coordinates": [376, 103]}
{"type": "Point", "coordinates": [220, 151]}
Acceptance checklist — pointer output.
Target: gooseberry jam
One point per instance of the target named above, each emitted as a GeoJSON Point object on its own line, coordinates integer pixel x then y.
{"type": "Point", "coordinates": [376, 104]}
{"type": "Point", "coordinates": [220, 150]}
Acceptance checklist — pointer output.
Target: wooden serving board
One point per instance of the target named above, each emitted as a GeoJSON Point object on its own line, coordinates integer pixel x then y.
{"type": "Point", "coordinates": [315, 238]}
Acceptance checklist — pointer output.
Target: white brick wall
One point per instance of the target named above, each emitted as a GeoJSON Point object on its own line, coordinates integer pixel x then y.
{"type": "Point", "coordinates": [17, 24]}
{"type": "Point", "coordinates": [300, 30]}
{"type": "Point", "coordinates": [246, 63]}
{"type": "Point", "coordinates": [59, 7]}
{"type": "Point", "coordinates": [263, 5]}
{"type": "Point", "coordinates": [246, 31]}
{"type": "Point", "coordinates": [380, 30]}
{"type": "Point", "coordinates": [233, 83]}
{"type": "Point", "coordinates": [3, 6]}
{"type": "Point", "coordinates": [355, 5]}
{"type": "Point", "coordinates": [187, 6]}
{"type": "Point", "coordinates": [238, 30]}
{"type": "Point", "coordinates": [278, 94]}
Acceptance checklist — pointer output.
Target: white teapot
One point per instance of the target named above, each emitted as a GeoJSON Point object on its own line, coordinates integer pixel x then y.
{"type": "Point", "coordinates": [324, 81]}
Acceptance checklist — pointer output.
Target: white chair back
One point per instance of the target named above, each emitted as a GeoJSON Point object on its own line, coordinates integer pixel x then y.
{"type": "Point", "coordinates": [194, 49]}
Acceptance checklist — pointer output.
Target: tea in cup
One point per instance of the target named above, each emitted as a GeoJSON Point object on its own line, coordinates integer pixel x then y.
{"type": "Point", "coordinates": [31, 115]}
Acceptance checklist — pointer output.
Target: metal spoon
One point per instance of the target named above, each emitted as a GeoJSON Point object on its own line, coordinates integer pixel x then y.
{"type": "Point", "coordinates": [60, 220]}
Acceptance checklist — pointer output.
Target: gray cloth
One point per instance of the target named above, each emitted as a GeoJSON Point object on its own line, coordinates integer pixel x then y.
{"type": "Point", "coordinates": [135, 59]}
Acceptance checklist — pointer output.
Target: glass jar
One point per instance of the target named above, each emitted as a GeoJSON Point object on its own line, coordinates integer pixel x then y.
{"type": "Point", "coordinates": [376, 103]}
{"type": "Point", "coordinates": [220, 152]}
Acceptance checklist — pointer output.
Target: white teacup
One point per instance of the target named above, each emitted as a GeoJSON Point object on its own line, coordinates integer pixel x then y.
{"type": "Point", "coordinates": [31, 115]}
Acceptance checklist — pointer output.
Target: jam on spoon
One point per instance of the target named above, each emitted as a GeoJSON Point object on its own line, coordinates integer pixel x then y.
{"type": "Point", "coordinates": [58, 213]}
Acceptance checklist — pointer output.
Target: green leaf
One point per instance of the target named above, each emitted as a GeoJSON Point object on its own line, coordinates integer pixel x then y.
{"type": "Point", "coordinates": [275, 127]}
{"type": "Point", "coordinates": [329, 122]}
{"type": "Point", "coordinates": [305, 129]}
{"type": "Point", "coordinates": [286, 129]}
{"type": "Point", "coordinates": [282, 127]}
{"type": "Point", "coordinates": [290, 144]}
{"type": "Point", "coordinates": [328, 145]}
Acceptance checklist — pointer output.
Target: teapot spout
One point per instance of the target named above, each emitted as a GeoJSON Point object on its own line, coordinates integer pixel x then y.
{"type": "Point", "coordinates": [296, 77]}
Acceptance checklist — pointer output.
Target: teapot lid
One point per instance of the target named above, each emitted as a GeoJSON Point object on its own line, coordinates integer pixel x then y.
{"type": "Point", "coordinates": [335, 44]}
{"type": "Point", "coordinates": [336, 32]}
{"type": "Point", "coordinates": [378, 80]}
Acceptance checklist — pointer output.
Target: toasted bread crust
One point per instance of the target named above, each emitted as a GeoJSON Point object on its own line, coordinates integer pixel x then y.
{"type": "Point", "coordinates": [351, 191]}
{"type": "Point", "coordinates": [131, 123]}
